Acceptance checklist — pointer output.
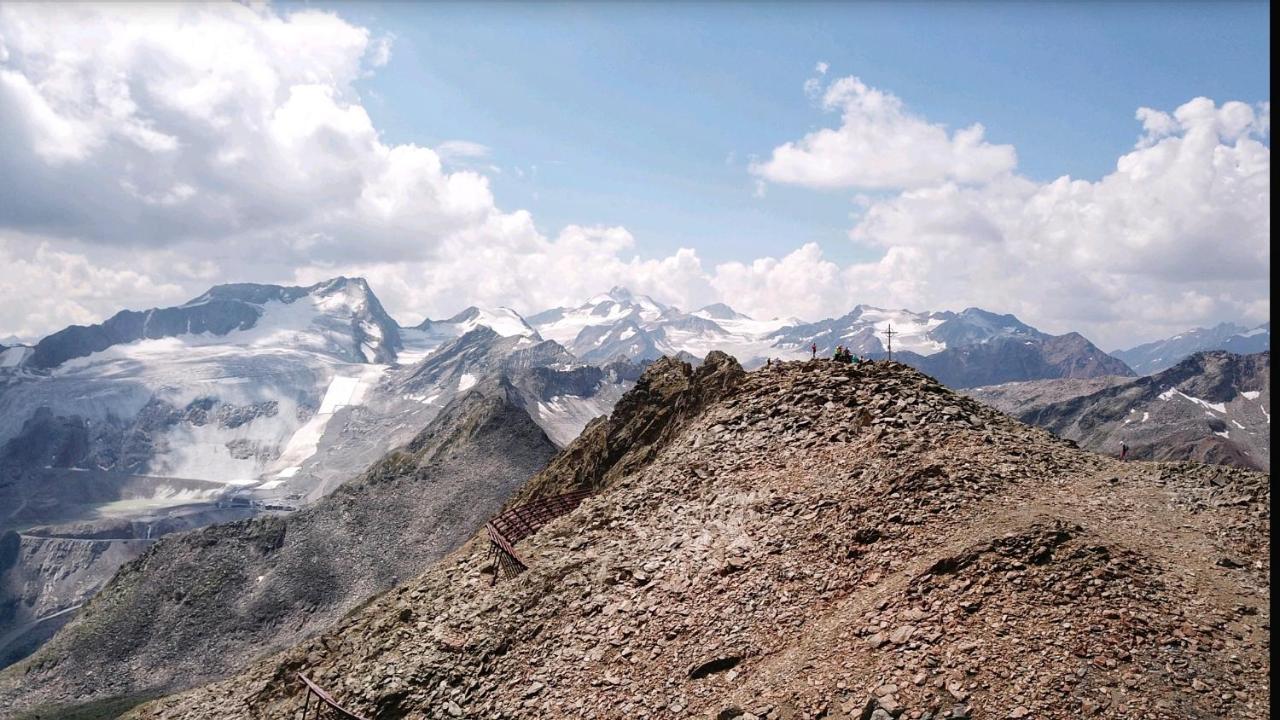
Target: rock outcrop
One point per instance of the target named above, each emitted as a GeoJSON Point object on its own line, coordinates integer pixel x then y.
{"type": "Point", "coordinates": [816, 540]}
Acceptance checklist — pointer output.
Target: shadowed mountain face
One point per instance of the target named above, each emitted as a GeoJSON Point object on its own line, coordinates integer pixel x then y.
{"type": "Point", "coordinates": [819, 540]}
{"type": "Point", "coordinates": [1011, 359]}
{"type": "Point", "coordinates": [198, 605]}
{"type": "Point", "coordinates": [1212, 407]}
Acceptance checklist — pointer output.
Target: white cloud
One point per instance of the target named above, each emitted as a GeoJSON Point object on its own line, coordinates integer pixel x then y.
{"type": "Point", "coordinates": [45, 288]}
{"type": "Point", "coordinates": [154, 125]}
{"type": "Point", "coordinates": [1178, 235]}
{"type": "Point", "coordinates": [147, 152]}
{"type": "Point", "coordinates": [380, 53]}
{"type": "Point", "coordinates": [461, 150]}
{"type": "Point", "coordinates": [881, 145]}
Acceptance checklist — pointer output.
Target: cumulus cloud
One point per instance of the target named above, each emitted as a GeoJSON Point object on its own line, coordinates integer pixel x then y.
{"type": "Point", "coordinates": [150, 151]}
{"type": "Point", "coordinates": [152, 125]}
{"type": "Point", "coordinates": [1179, 234]}
{"type": "Point", "coordinates": [881, 145]}
{"type": "Point", "coordinates": [46, 288]}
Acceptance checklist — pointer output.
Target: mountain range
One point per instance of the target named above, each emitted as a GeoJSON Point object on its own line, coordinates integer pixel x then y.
{"type": "Point", "coordinates": [1212, 407]}
{"type": "Point", "coordinates": [283, 392]}
{"type": "Point", "coordinates": [257, 400]}
{"type": "Point", "coordinates": [1150, 358]}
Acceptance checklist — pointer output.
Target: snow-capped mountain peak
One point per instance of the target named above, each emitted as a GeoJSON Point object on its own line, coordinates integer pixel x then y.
{"type": "Point", "coordinates": [720, 311]}
{"type": "Point", "coordinates": [340, 316]}
{"type": "Point", "coordinates": [502, 320]}
{"type": "Point", "coordinates": [1153, 357]}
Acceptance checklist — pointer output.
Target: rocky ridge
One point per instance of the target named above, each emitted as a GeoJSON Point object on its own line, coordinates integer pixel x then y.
{"type": "Point", "coordinates": [196, 606]}
{"type": "Point", "coordinates": [817, 540]}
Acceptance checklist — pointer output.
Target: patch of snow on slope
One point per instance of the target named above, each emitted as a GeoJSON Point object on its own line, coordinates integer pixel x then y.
{"type": "Point", "coordinates": [504, 321]}
{"type": "Point", "coordinates": [418, 344]}
{"type": "Point", "coordinates": [163, 497]}
{"type": "Point", "coordinates": [466, 382]}
{"type": "Point", "coordinates": [567, 328]}
{"type": "Point", "coordinates": [1171, 392]}
{"type": "Point", "coordinates": [563, 417]}
{"type": "Point", "coordinates": [910, 332]}
{"type": "Point", "coordinates": [1251, 394]}
{"type": "Point", "coordinates": [339, 394]}
{"type": "Point", "coordinates": [12, 356]}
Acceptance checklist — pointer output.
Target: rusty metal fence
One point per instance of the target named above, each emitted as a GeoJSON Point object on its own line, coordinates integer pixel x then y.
{"type": "Point", "coordinates": [516, 524]}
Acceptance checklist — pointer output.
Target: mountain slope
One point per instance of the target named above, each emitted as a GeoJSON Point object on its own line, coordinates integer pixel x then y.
{"type": "Point", "coordinates": [233, 387]}
{"type": "Point", "coordinates": [1017, 398]}
{"type": "Point", "coordinates": [1152, 357]}
{"type": "Point", "coordinates": [48, 473]}
{"type": "Point", "coordinates": [1009, 359]}
{"type": "Point", "coordinates": [374, 336]}
{"type": "Point", "coordinates": [197, 605]}
{"type": "Point", "coordinates": [1212, 407]}
{"type": "Point", "coordinates": [818, 540]}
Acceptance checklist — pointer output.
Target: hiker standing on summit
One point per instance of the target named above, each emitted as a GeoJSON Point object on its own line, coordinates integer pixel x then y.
{"type": "Point", "coordinates": [813, 347]}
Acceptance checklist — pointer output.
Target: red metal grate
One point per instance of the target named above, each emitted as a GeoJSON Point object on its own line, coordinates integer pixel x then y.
{"type": "Point", "coordinates": [516, 524]}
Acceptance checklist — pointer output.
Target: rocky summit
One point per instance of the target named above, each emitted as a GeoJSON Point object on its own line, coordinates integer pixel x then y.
{"type": "Point", "coordinates": [819, 540]}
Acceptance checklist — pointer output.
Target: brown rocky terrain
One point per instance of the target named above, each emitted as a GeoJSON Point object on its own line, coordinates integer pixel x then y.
{"type": "Point", "coordinates": [818, 540]}
{"type": "Point", "coordinates": [795, 542]}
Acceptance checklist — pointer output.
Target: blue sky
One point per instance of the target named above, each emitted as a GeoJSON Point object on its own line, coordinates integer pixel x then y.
{"type": "Point", "coordinates": [693, 152]}
{"type": "Point", "coordinates": [645, 115]}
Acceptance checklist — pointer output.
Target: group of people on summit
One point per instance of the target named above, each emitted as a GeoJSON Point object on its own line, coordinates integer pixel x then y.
{"type": "Point", "coordinates": [842, 355]}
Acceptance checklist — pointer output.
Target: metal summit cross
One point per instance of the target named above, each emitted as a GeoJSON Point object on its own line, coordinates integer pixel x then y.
{"type": "Point", "coordinates": [889, 333]}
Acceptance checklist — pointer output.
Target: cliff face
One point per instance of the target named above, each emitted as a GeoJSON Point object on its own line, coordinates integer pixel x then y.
{"type": "Point", "coordinates": [198, 605]}
{"type": "Point", "coordinates": [820, 541]}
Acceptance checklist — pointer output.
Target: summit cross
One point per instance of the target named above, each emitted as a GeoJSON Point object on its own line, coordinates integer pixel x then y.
{"type": "Point", "coordinates": [889, 333]}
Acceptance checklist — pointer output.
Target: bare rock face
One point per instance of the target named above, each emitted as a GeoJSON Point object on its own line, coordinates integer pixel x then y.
{"type": "Point", "coordinates": [815, 540]}
{"type": "Point", "coordinates": [668, 394]}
